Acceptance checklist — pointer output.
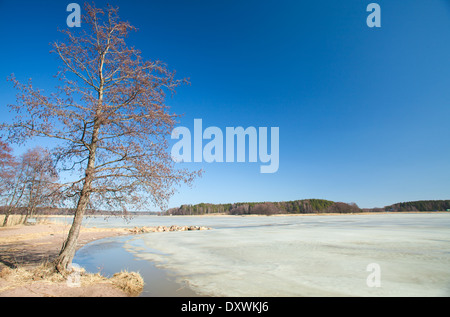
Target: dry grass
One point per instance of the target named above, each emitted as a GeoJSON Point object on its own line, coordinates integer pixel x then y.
{"type": "Point", "coordinates": [14, 220]}
{"type": "Point", "coordinates": [21, 276]}
{"type": "Point", "coordinates": [130, 283]}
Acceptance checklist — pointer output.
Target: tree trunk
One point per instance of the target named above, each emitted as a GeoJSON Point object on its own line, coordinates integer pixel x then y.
{"type": "Point", "coordinates": [68, 249]}
{"type": "Point", "coordinates": [5, 221]}
{"type": "Point", "coordinates": [27, 215]}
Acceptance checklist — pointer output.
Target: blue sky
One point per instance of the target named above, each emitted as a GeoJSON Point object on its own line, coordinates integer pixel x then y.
{"type": "Point", "coordinates": [363, 112]}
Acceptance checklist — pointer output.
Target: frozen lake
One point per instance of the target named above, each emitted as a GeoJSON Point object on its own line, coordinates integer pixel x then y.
{"type": "Point", "coordinates": [406, 254]}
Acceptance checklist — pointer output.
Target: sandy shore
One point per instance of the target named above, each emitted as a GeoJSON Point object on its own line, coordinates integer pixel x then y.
{"type": "Point", "coordinates": [27, 246]}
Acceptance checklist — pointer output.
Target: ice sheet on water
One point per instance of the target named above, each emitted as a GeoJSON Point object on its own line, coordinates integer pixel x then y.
{"type": "Point", "coordinates": [308, 256]}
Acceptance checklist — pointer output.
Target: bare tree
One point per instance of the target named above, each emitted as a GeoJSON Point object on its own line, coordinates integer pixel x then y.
{"type": "Point", "coordinates": [109, 121]}
{"type": "Point", "coordinates": [14, 188]}
{"type": "Point", "coordinates": [28, 183]}
{"type": "Point", "coordinates": [40, 180]}
{"type": "Point", "coordinates": [7, 164]}
{"type": "Point", "coordinates": [10, 177]}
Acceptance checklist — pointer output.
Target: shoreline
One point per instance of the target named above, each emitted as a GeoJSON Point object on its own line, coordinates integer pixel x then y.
{"type": "Point", "coordinates": [306, 214]}
{"type": "Point", "coordinates": [26, 247]}
{"type": "Point", "coordinates": [260, 215]}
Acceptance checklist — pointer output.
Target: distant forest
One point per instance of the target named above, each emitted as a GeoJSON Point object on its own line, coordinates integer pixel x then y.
{"type": "Point", "coordinates": [422, 205]}
{"type": "Point", "coordinates": [305, 206]}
